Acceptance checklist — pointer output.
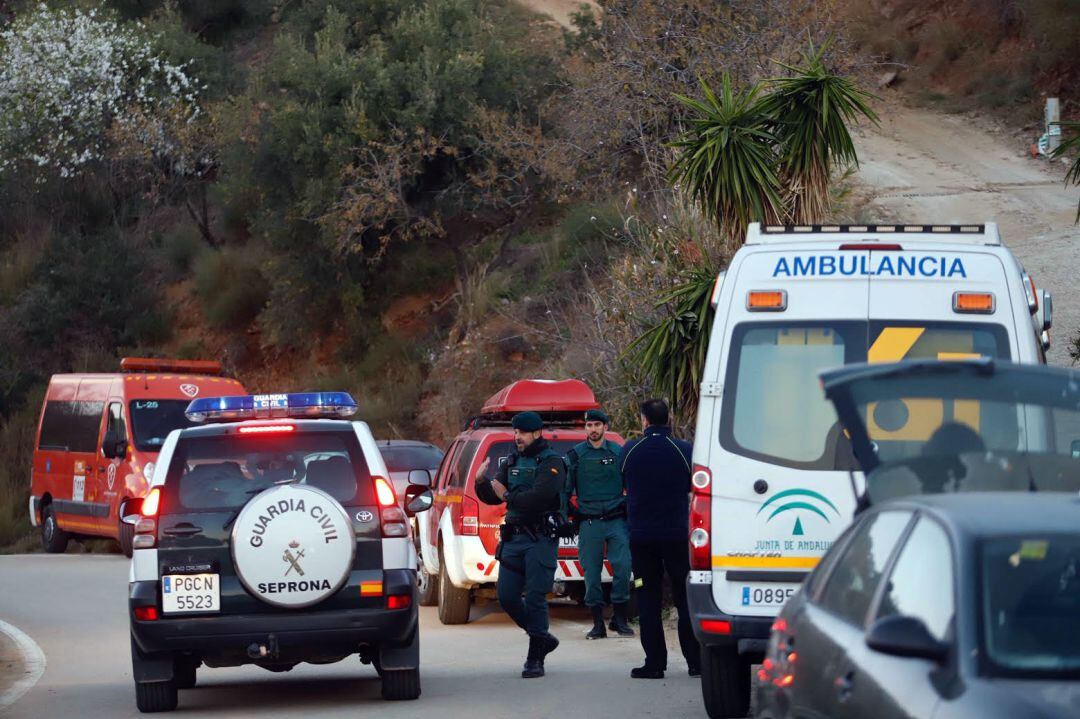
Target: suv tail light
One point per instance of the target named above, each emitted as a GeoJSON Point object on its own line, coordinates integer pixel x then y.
{"type": "Point", "coordinates": [469, 524]}
{"type": "Point", "coordinates": [391, 516]}
{"type": "Point", "coordinates": [701, 519]}
{"type": "Point", "coordinates": [146, 526]}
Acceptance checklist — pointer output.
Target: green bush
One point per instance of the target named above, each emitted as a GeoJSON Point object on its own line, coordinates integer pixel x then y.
{"type": "Point", "coordinates": [180, 246]}
{"type": "Point", "coordinates": [230, 286]}
{"type": "Point", "coordinates": [17, 447]}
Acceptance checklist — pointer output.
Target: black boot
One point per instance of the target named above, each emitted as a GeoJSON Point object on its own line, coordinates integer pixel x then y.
{"type": "Point", "coordinates": [597, 631]}
{"type": "Point", "coordinates": [550, 644]}
{"type": "Point", "coordinates": [647, 672]}
{"type": "Point", "coordinates": [619, 624]}
{"type": "Point", "coordinates": [534, 663]}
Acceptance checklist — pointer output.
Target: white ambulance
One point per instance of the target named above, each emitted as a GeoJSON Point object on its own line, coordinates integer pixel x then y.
{"type": "Point", "coordinates": [773, 470]}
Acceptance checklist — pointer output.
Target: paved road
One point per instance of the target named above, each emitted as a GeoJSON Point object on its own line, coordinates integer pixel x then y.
{"type": "Point", "coordinates": [74, 607]}
{"type": "Point", "coordinates": [927, 167]}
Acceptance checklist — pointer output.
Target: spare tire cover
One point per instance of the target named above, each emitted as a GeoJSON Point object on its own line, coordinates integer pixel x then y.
{"type": "Point", "coordinates": [293, 545]}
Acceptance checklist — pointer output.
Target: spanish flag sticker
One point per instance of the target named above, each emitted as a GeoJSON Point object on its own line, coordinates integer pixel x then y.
{"type": "Point", "coordinates": [370, 589]}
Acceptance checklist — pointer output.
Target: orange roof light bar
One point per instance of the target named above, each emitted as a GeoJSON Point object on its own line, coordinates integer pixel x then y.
{"type": "Point", "coordinates": [766, 300]}
{"type": "Point", "coordinates": [978, 303]}
{"type": "Point", "coordinates": [150, 364]}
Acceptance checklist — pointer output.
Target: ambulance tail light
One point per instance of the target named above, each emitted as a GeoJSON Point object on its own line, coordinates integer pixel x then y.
{"type": "Point", "coordinates": [716, 626]}
{"type": "Point", "coordinates": [701, 519]}
{"type": "Point", "coordinates": [468, 525]}
{"type": "Point", "coordinates": [766, 300]}
{"type": "Point", "coordinates": [1031, 293]}
{"type": "Point", "coordinates": [977, 303]}
{"type": "Point", "coordinates": [145, 536]}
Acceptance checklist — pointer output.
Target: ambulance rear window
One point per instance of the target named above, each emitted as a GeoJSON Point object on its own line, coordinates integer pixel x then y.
{"type": "Point", "coordinates": [221, 473]}
{"type": "Point", "coordinates": [774, 409]}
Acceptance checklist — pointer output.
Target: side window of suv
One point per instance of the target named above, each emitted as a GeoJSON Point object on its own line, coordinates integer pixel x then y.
{"type": "Point", "coordinates": [859, 570]}
{"type": "Point", "coordinates": [921, 583]}
{"type": "Point", "coordinates": [461, 469]}
{"type": "Point", "coordinates": [442, 478]}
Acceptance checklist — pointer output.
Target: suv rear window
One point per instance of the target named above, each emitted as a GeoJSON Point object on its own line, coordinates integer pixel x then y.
{"type": "Point", "coordinates": [222, 473]}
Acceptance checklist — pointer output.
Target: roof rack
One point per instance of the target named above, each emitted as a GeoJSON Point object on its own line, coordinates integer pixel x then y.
{"type": "Point", "coordinates": [975, 234]}
{"type": "Point", "coordinates": [151, 364]}
{"type": "Point", "coordinates": [558, 402]}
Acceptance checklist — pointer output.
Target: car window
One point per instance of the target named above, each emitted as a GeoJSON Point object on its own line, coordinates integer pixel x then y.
{"type": "Point", "coordinates": [921, 584]}
{"type": "Point", "coordinates": [116, 425]}
{"type": "Point", "coordinates": [447, 464]}
{"type": "Point", "coordinates": [461, 465]}
{"type": "Point", "coordinates": [858, 572]}
{"type": "Point", "coordinates": [821, 572]}
{"type": "Point", "coordinates": [153, 419]}
{"type": "Point", "coordinates": [71, 426]}
{"type": "Point", "coordinates": [224, 472]}
{"type": "Point", "coordinates": [1030, 605]}
{"type": "Point", "coordinates": [403, 458]}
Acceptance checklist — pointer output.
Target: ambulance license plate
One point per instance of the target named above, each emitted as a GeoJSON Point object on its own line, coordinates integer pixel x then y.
{"type": "Point", "coordinates": [767, 595]}
{"type": "Point", "coordinates": [187, 593]}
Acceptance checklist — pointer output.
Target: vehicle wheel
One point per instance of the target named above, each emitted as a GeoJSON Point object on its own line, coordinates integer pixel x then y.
{"type": "Point", "coordinates": [725, 682]}
{"type": "Point", "coordinates": [427, 585]}
{"type": "Point", "coordinates": [127, 536]}
{"type": "Point", "coordinates": [184, 672]}
{"type": "Point", "coordinates": [155, 696]}
{"type": "Point", "coordinates": [53, 539]}
{"type": "Point", "coordinates": [400, 684]}
{"type": "Point", "coordinates": [454, 603]}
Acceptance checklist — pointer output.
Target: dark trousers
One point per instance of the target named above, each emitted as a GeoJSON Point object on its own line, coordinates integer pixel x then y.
{"type": "Point", "coordinates": [527, 566]}
{"type": "Point", "coordinates": [651, 561]}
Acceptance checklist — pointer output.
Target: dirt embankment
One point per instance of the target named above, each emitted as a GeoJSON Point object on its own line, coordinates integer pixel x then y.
{"type": "Point", "coordinates": [926, 167]}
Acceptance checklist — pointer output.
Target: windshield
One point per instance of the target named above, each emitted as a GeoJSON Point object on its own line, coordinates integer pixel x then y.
{"type": "Point", "coordinates": [153, 419]}
{"type": "Point", "coordinates": [952, 432]}
{"type": "Point", "coordinates": [774, 409]}
{"type": "Point", "coordinates": [1031, 605]}
{"type": "Point", "coordinates": [403, 458]}
{"type": "Point", "coordinates": [219, 473]}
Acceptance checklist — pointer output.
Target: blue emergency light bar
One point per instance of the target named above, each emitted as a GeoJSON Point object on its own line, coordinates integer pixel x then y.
{"type": "Point", "coordinates": [272, 406]}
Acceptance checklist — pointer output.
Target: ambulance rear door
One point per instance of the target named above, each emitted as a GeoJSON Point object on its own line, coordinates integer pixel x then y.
{"type": "Point", "coordinates": [779, 462]}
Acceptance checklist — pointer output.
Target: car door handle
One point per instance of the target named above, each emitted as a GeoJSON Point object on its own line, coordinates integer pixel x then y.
{"type": "Point", "coordinates": [182, 530]}
{"type": "Point", "coordinates": [844, 686]}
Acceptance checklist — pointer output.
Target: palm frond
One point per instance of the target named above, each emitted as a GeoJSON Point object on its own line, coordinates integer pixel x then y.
{"type": "Point", "coordinates": [1072, 176]}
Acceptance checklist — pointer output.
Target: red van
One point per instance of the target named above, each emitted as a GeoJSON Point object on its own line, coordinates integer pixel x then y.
{"type": "Point", "coordinates": [98, 438]}
{"type": "Point", "coordinates": [458, 536]}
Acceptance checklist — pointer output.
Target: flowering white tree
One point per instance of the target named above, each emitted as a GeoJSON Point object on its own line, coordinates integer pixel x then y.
{"type": "Point", "coordinates": [69, 76]}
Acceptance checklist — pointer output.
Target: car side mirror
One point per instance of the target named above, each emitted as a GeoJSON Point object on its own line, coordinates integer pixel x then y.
{"type": "Point", "coordinates": [418, 499]}
{"type": "Point", "coordinates": [420, 477]}
{"type": "Point", "coordinates": [131, 510]}
{"type": "Point", "coordinates": [113, 447]}
{"type": "Point", "coordinates": [903, 636]}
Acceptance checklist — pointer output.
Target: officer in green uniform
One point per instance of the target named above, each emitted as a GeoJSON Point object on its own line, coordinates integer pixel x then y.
{"type": "Point", "coordinates": [601, 514]}
{"type": "Point", "coordinates": [532, 483]}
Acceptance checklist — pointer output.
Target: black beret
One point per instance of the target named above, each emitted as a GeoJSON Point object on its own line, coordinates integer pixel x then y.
{"type": "Point", "coordinates": [527, 422]}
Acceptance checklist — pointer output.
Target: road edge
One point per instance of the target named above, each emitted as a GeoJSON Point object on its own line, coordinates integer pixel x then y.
{"type": "Point", "coordinates": [33, 660]}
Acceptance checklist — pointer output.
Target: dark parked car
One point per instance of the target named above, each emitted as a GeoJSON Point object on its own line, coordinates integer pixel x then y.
{"type": "Point", "coordinates": [403, 456]}
{"type": "Point", "coordinates": [956, 592]}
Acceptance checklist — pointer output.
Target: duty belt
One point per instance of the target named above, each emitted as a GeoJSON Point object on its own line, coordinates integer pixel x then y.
{"type": "Point", "coordinates": [617, 513]}
{"type": "Point", "coordinates": [509, 531]}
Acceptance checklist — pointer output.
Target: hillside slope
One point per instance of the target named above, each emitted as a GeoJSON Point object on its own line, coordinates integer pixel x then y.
{"type": "Point", "coordinates": [923, 166]}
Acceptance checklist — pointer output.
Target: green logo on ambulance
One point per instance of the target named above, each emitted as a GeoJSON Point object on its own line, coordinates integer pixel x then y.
{"type": "Point", "coordinates": [798, 500]}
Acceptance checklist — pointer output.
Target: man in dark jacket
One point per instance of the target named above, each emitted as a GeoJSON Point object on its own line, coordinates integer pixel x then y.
{"type": "Point", "coordinates": [531, 482]}
{"type": "Point", "coordinates": [656, 469]}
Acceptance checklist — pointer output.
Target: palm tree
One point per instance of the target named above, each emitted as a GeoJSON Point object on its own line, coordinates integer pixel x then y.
{"type": "Point", "coordinates": [811, 110]}
{"type": "Point", "coordinates": [1072, 177]}
{"type": "Point", "coordinates": [727, 159]}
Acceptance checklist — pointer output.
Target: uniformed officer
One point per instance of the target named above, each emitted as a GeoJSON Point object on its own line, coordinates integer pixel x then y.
{"type": "Point", "coordinates": [531, 481]}
{"type": "Point", "coordinates": [597, 483]}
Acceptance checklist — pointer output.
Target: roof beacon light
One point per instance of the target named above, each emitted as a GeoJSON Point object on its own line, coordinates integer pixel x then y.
{"type": "Point", "coordinates": [309, 405]}
{"type": "Point", "coordinates": [766, 300]}
{"type": "Point", "coordinates": [978, 303]}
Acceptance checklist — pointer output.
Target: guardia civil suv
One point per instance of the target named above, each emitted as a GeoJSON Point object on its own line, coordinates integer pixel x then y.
{"type": "Point", "coordinates": [272, 536]}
